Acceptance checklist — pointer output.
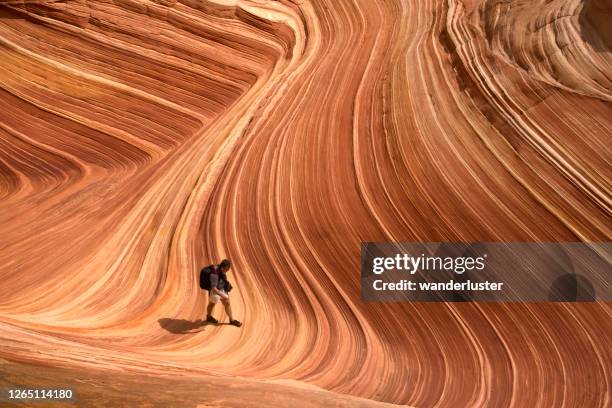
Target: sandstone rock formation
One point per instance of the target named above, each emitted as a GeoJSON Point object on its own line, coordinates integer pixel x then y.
{"type": "Point", "coordinates": [143, 139]}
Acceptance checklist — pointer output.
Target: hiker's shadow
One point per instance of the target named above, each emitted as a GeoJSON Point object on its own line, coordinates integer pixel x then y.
{"type": "Point", "coordinates": [182, 326]}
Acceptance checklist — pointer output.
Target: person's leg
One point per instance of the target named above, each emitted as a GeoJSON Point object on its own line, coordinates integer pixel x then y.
{"type": "Point", "coordinates": [228, 309]}
{"type": "Point", "coordinates": [209, 308]}
{"type": "Point", "coordinates": [212, 301]}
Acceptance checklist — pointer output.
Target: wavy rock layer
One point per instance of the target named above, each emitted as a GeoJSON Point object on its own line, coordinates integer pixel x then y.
{"type": "Point", "coordinates": [143, 139]}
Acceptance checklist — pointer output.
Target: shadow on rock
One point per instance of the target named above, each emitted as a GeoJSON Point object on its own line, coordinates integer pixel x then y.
{"type": "Point", "coordinates": [181, 326]}
{"type": "Point", "coordinates": [572, 288]}
{"type": "Point", "coordinates": [594, 21]}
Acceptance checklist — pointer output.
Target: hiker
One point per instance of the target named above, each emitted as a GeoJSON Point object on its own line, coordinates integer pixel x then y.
{"type": "Point", "coordinates": [214, 279]}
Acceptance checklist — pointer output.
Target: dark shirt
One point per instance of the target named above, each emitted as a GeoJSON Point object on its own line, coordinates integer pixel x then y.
{"type": "Point", "coordinates": [217, 280]}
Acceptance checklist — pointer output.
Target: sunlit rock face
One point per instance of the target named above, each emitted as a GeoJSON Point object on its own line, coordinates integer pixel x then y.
{"type": "Point", "coordinates": [141, 140]}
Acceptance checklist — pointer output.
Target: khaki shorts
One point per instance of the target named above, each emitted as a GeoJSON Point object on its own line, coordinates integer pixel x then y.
{"type": "Point", "coordinates": [213, 298]}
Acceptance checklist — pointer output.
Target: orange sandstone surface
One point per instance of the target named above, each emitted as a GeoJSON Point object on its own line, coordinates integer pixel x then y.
{"type": "Point", "coordinates": [141, 140]}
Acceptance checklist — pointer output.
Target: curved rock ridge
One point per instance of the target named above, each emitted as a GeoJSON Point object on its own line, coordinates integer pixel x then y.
{"type": "Point", "coordinates": [141, 140]}
{"type": "Point", "coordinates": [565, 44]}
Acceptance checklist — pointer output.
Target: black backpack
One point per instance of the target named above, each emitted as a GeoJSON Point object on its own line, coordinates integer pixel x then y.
{"type": "Point", "coordinates": [205, 277]}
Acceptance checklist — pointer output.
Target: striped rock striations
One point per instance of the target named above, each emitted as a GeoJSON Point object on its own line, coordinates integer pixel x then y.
{"type": "Point", "coordinates": [143, 139]}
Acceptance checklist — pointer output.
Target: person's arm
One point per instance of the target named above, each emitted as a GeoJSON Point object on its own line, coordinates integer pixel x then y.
{"type": "Point", "coordinates": [214, 282]}
{"type": "Point", "coordinates": [219, 292]}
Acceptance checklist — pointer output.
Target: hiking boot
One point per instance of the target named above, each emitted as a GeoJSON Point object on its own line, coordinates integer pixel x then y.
{"type": "Point", "coordinates": [210, 319]}
{"type": "Point", "coordinates": [235, 323]}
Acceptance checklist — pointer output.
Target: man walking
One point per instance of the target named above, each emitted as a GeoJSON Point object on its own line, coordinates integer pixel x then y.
{"type": "Point", "coordinates": [219, 289]}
